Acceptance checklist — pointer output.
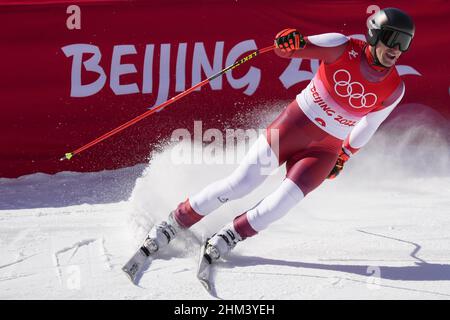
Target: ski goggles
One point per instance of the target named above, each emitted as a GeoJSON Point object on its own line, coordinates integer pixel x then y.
{"type": "Point", "coordinates": [391, 38]}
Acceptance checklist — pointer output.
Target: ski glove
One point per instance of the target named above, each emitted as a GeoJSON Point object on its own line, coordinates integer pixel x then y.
{"type": "Point", "coordinates": [289, 40]}
{"type": "Point", "coordinates": [343, 157]}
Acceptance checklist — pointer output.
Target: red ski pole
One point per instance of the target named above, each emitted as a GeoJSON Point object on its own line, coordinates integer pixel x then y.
{"type": "Point", "coordinates": [69, 155]}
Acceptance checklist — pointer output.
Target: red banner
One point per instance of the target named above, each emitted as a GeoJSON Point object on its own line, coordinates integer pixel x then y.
{"type": "Point", "coordinates": [64, 82]}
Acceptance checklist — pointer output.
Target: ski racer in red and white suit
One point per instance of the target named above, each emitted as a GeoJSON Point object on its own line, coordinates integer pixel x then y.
{"type": "Point", "coordinates": [331, 119]}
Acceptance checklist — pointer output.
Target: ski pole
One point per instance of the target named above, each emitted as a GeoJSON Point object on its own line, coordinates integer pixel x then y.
{"type": "Point", "coordinates": [69, 155]}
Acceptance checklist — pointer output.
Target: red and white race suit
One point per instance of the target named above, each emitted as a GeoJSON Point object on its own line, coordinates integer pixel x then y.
{"type": "Point", "coordinates": [342, 107]}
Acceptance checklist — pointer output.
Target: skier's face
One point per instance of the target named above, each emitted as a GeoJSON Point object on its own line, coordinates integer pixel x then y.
{"type": "Point", "coordinates": [387, 56]}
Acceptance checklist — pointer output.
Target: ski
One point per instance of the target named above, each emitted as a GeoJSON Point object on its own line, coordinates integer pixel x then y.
{"type": "Point", "coordinates": [133, 268]}
{"type": "Point", "coordinates": [159, 235]}
{"type": "Point", "coordinates": [204, 269]}
{"type": "Point", "coordinates": [147, 251]}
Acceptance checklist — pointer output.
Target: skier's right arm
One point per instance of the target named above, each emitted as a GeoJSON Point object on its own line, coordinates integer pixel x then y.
{"type": "Point", "coordinates": [326, 47]}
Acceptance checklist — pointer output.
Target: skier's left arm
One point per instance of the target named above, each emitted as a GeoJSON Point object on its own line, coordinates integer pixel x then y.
{"type": "Point", "coordinates": [365, 129]}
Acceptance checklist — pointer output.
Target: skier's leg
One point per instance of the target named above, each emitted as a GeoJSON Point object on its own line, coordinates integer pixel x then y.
{"type": "Point", "coordinates": [303, 176]}
{"type": "Point", "coordinates": [290, 132]}
{"type": "Point", "coordinates": [258, 163]}
{"type": "Point", "coordinates": [271, 208]}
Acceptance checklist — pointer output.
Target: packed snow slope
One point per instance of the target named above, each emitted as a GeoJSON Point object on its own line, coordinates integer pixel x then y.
{"type": "Point", "coordinates": [381, 230]}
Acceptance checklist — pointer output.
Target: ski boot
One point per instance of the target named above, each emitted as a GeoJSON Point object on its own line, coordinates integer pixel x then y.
{"type": "Point", "coordinates": [219, 245]}
{"type": "Point", "coordinates": [159, 237]}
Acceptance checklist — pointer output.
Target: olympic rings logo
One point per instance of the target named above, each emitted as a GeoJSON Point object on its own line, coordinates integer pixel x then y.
{"type": "Point", "coordinates": [353, 90]}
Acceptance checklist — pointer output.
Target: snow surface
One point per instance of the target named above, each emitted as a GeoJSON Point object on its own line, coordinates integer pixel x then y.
{"type": "Point", "coordinates": [381, 230]}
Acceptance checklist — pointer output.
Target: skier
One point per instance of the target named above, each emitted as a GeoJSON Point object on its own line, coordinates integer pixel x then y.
{"type": "Point", "coordinates": [353, 92]}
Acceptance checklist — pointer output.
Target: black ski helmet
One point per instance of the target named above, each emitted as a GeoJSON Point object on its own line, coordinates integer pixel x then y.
{"type": "Point", "coordinates": [393, 27]}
